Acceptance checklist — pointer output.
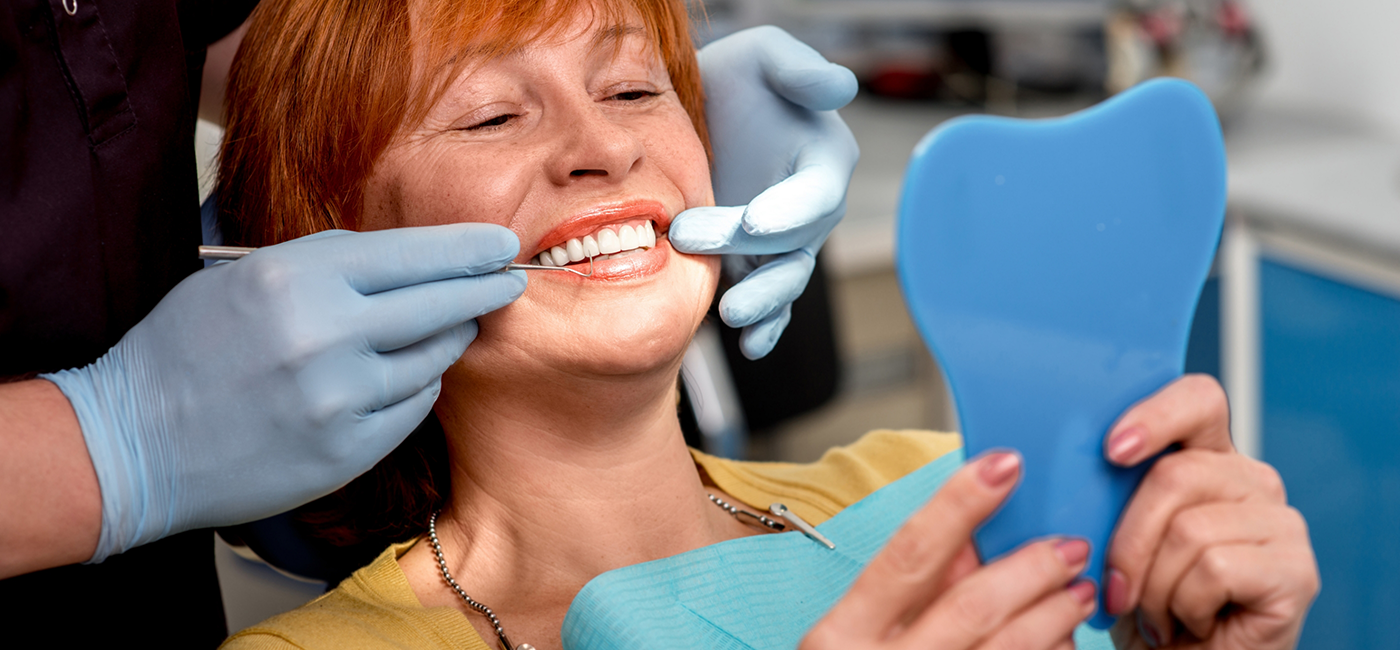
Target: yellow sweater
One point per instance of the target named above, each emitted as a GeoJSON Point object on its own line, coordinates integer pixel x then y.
{"type": "Point", "coordinates": [376, 608]}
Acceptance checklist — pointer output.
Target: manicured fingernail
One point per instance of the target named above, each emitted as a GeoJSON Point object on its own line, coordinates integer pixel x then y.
{"type": "Point", "coordinates": [1125, 444]}
{"type": "Point", "coordinates": [1115, 593]}
{"type": "Point", "coordinates": [1073, 551]}
{"type": "Point", "coordinates": [1148, 631]}
{"type": "Point", "coordinates": [997, 469]}
{"type": "Point", "coordinates": [1083, 591]}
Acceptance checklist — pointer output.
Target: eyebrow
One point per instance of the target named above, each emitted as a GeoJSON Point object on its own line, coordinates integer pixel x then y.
{"type": "Point", "coordinates": [616, 33]}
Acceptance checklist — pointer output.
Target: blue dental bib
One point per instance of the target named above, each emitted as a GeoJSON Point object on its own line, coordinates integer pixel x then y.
{"type": "Point", "coordinates": [1053, 267]}
{"type": "Point", "coordinates": [753, 593]}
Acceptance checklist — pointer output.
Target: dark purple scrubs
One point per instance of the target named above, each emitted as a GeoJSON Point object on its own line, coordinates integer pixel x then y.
{"type": "Point", "coordinates": [99, 218]}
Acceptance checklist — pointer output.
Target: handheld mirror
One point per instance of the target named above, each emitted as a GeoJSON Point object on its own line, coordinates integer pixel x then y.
{"type": "Point", "coordinates": [1053, 267]}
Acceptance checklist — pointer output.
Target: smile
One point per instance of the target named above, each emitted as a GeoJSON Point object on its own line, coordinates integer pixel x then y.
{"type": "Point", "coordinates": [607, 242]}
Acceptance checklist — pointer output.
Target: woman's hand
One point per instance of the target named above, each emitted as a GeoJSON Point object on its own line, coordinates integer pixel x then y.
{"type": "Point", "coordinates": [1208, 551]}
{"type": "Point", "coordinates": [926, 590]}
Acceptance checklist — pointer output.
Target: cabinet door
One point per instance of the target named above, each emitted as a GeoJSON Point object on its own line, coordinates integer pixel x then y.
{"type": "Point", "coordinates": [1331, 425]}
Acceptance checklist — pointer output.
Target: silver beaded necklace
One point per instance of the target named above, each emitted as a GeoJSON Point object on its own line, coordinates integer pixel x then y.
{"type": "Point", "coordinates": [776, 509]}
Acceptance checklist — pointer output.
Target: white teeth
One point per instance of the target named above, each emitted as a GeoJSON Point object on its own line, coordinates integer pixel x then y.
{"type": "Point", "coordinates": [608, 242]}
{"type": "Point", "coordinates": [601, 245]}
{"type": "Point", "coordinates": [627, 238]}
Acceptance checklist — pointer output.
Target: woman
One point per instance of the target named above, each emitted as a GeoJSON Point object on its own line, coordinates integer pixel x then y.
{"type": "Point", "coordinates": [577, 126]}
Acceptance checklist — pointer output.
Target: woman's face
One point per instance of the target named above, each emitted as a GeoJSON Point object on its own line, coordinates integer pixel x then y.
{"type": "Point", "coordinates": [569, 142]}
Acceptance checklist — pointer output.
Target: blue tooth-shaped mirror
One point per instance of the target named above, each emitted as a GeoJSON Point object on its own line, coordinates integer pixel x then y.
{"type": "Point", "coordinates": [1053, 267]}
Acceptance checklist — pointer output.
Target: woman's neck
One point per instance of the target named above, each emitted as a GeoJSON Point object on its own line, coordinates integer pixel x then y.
{"type": "Point", "coordinates": [547, 493]}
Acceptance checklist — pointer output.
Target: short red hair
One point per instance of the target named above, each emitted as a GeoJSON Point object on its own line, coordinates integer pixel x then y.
{"type": "Point", "coordinates": [319, 89]}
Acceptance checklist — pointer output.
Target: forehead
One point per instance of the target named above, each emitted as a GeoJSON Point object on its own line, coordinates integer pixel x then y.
{"type": "Point", "coordinates": [451, 34]}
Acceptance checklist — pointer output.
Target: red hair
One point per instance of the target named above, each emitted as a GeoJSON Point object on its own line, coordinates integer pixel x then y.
{"type": "Point", "coordinates": [319, 89]}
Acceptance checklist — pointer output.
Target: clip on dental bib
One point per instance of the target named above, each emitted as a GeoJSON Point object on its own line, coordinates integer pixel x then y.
{"type": "Point", "coordinates": [1053, 267]}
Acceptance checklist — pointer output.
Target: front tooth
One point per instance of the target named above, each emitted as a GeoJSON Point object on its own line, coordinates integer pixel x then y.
{"type": "Point", "coordinates": [590, 246]}
{"type": "Point", "coordinates": [608, 242]}
{"type": "Point", "coordinates": [627, 238]}
{"type": "Point", "coordinates": [648, 236]}
{"type": "Point", "coordinates": [575, 249]}
{"type": "Point", "coordinates": [561, 257]}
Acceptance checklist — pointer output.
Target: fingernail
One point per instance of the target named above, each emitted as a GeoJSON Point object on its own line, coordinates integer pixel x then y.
{"type": "Point", "coordinates": [1123, 445]}
{"type": "Point", "coordinates": [1148, 631]}
{"type": "Point", "coordinates": [997, 469]}
{"type": "Point", "coordinates": [1073, 551]}
{"type": "Point", "coordinates": [1115, 594]}
{"type": "Point", "coordinates": [1083, 591]}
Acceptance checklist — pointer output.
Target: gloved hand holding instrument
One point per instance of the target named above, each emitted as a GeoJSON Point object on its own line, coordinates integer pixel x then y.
{"type": "Point", "coordinates": [259, 385]}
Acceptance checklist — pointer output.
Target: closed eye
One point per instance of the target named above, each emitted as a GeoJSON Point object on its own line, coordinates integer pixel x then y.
{"type": "Point", "coordinates": [499, 120]}
{"type": "Point", "coordinates": [634, 95]}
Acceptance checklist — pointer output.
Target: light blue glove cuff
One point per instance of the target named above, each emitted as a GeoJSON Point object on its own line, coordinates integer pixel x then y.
{"type": "Point", "coordinates": [134, 509]}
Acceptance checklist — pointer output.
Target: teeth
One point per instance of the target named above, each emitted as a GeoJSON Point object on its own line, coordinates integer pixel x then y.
{"type": "Point", "coordinates": [604, 244]}
{"type": "Point", "coordinates": [608, 243]}
{"type": "Point", "coordinates": [626, 238]}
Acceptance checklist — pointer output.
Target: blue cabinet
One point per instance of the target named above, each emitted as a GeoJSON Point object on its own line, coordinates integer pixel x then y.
{"type": "Point", "coordinates": [1330, 375]}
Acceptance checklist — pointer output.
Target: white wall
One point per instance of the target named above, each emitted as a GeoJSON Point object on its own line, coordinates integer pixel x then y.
{"type": "Point", "coordinates": [1335, 56]}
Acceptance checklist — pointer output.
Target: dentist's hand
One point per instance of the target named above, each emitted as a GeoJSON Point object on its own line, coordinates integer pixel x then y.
{"type": "Point", "coordinates": [784, 158]}
{"type": "Point", "coordinates": [258, 385]}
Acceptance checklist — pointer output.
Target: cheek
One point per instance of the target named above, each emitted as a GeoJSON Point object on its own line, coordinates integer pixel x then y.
{"type": "Point", "coordinates": [432, 187]}
{"type": "Point", "coordinates": [681, 157]}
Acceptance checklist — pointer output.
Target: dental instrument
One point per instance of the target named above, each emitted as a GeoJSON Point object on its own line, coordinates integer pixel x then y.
{"type": "Point", "coordinates": [229, 253]}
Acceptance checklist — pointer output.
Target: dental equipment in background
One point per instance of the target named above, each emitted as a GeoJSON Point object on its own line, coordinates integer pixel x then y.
{"type": "Point", "coordinates": [229, 253]}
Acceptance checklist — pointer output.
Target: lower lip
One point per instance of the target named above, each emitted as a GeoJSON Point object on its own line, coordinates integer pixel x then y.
{"type": "Point", "coordinates": [634, 266]}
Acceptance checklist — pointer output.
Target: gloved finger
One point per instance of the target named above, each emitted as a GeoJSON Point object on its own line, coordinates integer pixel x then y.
{"type": "Point", "coordinates": [406, 372]}
{"type": "Point", "coordinates": [387, 428]}
{"type": "Point", "coordinates": [720, 231]}
{"type": "Point", "coordinates": [814, 194]}
{"type": "Point", "coordinates": [801, 75]}
{"type": "Point", "coordinates": [767, 289]}
{"type": "Point", "coordinates": [757, 340]}
{"type": "Point", "coordinates": [405, 316]}
{"type": "Point", "coordinates": [388, 259]}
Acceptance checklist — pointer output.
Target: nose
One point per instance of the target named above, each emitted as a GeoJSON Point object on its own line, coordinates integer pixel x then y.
{"type": "Point", "coordinates": [594, 147]}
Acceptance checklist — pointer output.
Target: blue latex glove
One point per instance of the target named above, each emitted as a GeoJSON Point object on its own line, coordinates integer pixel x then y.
{"type": "Point", "coordinates": [258, 385]}
{"type": "Point", "coordinates": [784, 157]}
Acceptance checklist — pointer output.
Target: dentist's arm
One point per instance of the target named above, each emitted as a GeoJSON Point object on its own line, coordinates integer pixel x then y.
{"type": "Point", "coordinates": [783, 159]}
{"type": "Point", "coordinates": [253, 387]}
{"type": "Point", "coordinates": [50, 506]}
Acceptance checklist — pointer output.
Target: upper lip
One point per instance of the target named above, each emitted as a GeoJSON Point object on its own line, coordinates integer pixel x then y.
{"type": "Point", "coordinates": [591, 219]}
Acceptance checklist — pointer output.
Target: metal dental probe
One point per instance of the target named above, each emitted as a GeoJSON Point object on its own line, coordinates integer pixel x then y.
{"type": "Point", "coordinates": [237, 252]}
